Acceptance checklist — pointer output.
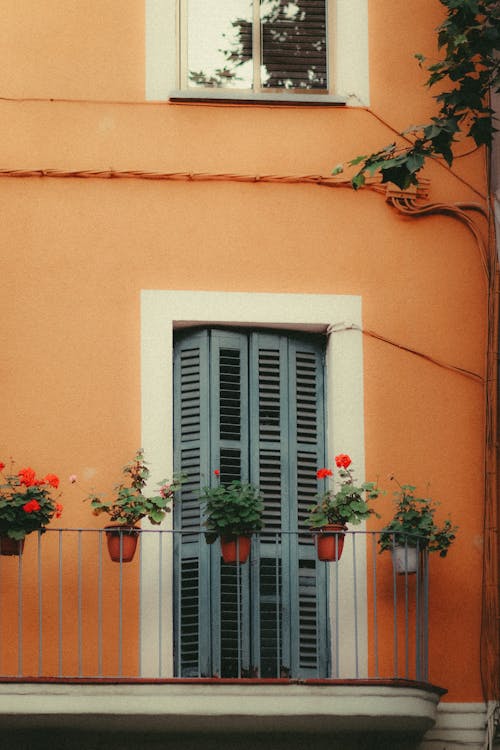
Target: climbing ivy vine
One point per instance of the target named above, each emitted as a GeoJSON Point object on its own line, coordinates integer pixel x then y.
{"type": "Point", "coordinates": [470, 40]}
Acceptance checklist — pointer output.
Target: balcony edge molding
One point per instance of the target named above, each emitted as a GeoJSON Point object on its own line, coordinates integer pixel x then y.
{"type": "Point", "coordinates": [218, 706]}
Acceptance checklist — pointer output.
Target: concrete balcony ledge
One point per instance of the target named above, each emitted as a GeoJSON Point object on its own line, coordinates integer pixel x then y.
{"type": "Point", "coordinates": [221, 705]}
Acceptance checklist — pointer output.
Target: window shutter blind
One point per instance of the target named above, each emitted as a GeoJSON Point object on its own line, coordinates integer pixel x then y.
{"type": "Point", "coordinates": [259, 417]}
{"type": "Point", "coordinates": [294, 47]}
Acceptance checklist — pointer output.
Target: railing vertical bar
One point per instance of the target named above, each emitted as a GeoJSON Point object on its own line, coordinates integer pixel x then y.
{"type": "Point", "coordinates": [426, 616]}
{"type": "Point", "coordinates": [375, 613]}
{"type": "Point", "coordinates": [239, 634]}
{"type": "Point", "coordinates": [278, 604]}
{"type": "Point", "coordinates": [40, 607]}
{"type": "Point", "coordinates": [99, 605]}
{"type": "Point", "coordinates": [160, 602]}
{"type": "Point", "coordinates": [395, 616]}
{"type": "Point", "coordinates": [139, 624]}
{"type": "Point", "coordinates": [120, 608]}
{"type": "Point", "coordinates": [418, 652]}
{"type": "Point", "coordinates": [80, 606]}
{"type": "Point", "coordinates": [178, 589]}
{"type": "Point", "coordinates": [60, 603]}
{"type": "Point", "coordinates": [407, 613]}
{"type": "Point", "coordinates": [20, 615]}
{"type": "Point", "coordinates": [337, 634]}
{"type": "Point", "coordinates": [1, 599]}
{"type": "Point", "coordinates": [355, 594]}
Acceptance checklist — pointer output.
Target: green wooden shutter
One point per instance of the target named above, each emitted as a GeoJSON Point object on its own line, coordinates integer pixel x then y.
{"type": "Point", "coordinates": [290, 623]}
{"type": "Point", "coordinates": [192, 456]}
{"type": "Point", "coordinates": [260, 415]}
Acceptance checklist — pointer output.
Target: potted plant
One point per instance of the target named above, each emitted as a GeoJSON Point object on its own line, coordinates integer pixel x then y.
{"type": "Point", "coordinates": [337, 507]}
{"type": "Point", "coordinates": [413, 529]}
{"type": "Point", "coordinates": [26, 505]}
{"type": "Point", "coordinates": [233, 512]}
{"type": "Point", "coordinates": [130, 506]}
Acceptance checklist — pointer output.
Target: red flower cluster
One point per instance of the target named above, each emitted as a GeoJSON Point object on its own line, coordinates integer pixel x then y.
{"type": "Point", "coordinates": [52, 480]}
{"type": "Point", "coordinates": [2, 466]}
{"type": "Point", "coordinates": [28, 478]}
{"type": "Point", "coordinates": [323, 473]}
{"type": "Point", "coordinates": [342, 461]}
{"type": "Point", "coordinates": [32, 506]}
{"type": "Point", "coordinates": [59, 510]}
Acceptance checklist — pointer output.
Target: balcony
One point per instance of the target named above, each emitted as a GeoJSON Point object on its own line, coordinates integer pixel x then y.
{"type": "Point", "coordinates": [284, 639]}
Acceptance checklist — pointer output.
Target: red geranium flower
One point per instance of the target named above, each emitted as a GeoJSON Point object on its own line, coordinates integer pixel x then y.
{"type": "Point", "coordinates": [52, 480]}
{"type": "Point", "coordinates": [343, 461]}
{"type": "Point", "coordinates": [216, 472]}
{"type": "Point", "coordinates": [2, 466]}
{"type": "Point", "coordinates": [323, 473]}
{"type": "Point", "coordinates": [27, 477]}
{"type": "Point", "coordinates": [32, 506]}
{"type": "Point", "coordinates": [59, 510]}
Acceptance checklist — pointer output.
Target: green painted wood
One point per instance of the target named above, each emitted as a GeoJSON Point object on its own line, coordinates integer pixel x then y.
{"type": "Point", "coordinates": [263, 421]}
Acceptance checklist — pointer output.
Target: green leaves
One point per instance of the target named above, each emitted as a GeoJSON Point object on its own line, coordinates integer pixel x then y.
{"type": "Point", "coordinates": [130, 505]}
{"type": "Point", "coordinates": [232, 509]}
{"type": "Point", "coordinates": [413, 522]}
{"type": "Point", "coordinates": [470, 36]}
{"type": "Point", "coordinates": [346, 505]}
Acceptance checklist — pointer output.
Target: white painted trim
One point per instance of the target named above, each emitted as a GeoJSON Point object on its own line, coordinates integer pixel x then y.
{"type": "Point", "coordinates": [216, 707]}
{"type": "Point", "coordinates": [350, 49]}
{"type": "Point", "coordinates": [161, 49]}
{"type": "Point", "coordinates": [351, 62]}
{"type": "Point", "coordinates": [458, 725]}
{"type": "Point", "coordinates": [161, 311]}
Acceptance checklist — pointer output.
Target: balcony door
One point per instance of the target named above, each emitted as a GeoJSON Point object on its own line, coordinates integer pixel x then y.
{"type": "Point", "coordinates": [250, 404]}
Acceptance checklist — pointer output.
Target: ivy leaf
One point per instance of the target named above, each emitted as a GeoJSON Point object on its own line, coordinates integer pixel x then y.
{"type": "Point", "coordinates": [358, 180]}
{"type": "Point", "coordinates": [414, 162]}
{"type": "Point", "coordinates": [357, 160]}
{"type": "Point", "coordinates": [399, 175]}
{"type": "Point", "coordinates": [337, 169]}
{"type": "Point", "coordinates": [482, 130]}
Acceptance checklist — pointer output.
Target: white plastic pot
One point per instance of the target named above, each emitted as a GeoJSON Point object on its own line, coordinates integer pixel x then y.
{"type": "Point", "coordinates": [405, 559]}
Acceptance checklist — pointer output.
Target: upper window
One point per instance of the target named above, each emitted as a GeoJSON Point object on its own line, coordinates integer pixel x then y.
{"type": "Point", "coordinates": [258, 46]}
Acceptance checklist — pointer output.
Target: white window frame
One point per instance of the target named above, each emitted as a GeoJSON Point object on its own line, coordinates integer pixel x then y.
{"type": "Point", "coordinates": [161, 312]}
{"type": "Point", "coordinates": [348, 60]}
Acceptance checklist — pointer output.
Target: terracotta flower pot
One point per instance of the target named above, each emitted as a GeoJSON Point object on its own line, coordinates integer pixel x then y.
{"type": "Point", "coordinates": [231, 547]}
{"type": "Point", "coordinates": [10, 546]}
{"type": "Point", "coordinates": [330, 542]}
{"type": "Point", "coordinates": [122, 542]}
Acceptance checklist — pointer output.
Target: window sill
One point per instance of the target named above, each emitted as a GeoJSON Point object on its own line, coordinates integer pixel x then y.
{"type": "Point", "coordinates": [218, 96]}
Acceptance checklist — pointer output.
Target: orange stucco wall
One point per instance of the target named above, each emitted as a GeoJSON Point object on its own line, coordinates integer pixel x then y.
{"type": "Point", "coordinates": [77, 252]}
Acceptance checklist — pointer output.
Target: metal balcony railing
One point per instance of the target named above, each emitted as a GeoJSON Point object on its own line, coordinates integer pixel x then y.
{"type": "Point", "coordinates": [179, 611]}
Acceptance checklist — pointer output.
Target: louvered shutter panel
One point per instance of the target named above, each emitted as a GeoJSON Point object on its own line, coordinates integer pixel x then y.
{"type": "Point", "coordinates": [191, 456]}
{"type": "Point", "coordinates": [229, 436]}
{"type": "Point", "coordinates": [308, 584]}
{"type": "Point", "coordinates": [290, 627]}
{"type": "Point", "coordinates": [258, 417]}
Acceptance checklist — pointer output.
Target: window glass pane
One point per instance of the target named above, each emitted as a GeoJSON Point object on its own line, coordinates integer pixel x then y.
{"type": "Point", "coordinates": [219, 41]}
{"type": "Point", "coordinates": [293, 44]}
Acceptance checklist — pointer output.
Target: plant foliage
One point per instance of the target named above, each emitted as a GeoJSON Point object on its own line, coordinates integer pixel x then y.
{"type": "Point", "coordinates": [232, 509]}
{"type": "Point", "coordinates": [130, 505]}
{"type": "Point", "coordinates": [413, 524]}
{"type": "Point", "coordinates": [470, 39]}
{"type": "Point", "coordinates": [26, 502]}
{"type": "Point", "coordinates": [347, 504]}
